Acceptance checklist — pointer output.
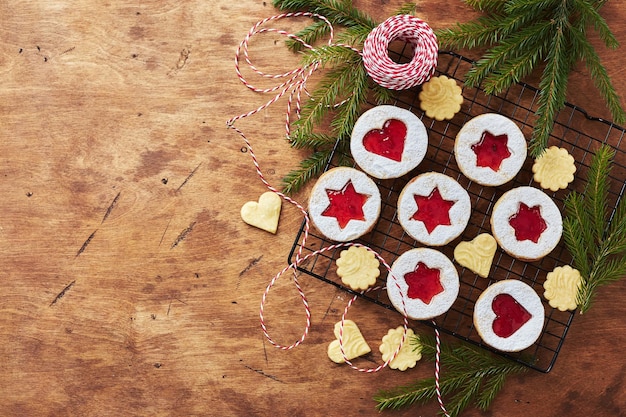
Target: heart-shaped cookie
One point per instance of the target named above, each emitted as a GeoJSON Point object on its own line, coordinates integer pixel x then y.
{"type": "Point", "coordinates": [510, 315]}
{"type": "Point", "coordinates": [477, 254]}
{"type": "Point", "coordinates": [263, 214]}
{"type": "Point", "coordinates": [354, 344]}
{"type": "Point", "coordinates": [387, 142]}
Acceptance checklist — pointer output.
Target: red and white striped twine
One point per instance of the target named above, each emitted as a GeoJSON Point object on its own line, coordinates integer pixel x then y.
{"type": "Point", "coordinates": [294, 86]}
{"type": "Point", "coordinates": [391, 74]}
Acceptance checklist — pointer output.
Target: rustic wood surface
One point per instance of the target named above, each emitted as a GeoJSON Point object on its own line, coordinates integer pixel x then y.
{"type": "Point", "coordinates": [129, 286]}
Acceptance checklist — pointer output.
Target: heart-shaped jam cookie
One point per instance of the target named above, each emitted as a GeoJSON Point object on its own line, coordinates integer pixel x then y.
{"type": "Point", "coordinates": [510, 315]}
{"type": "Point", "coordinates": [387, 142]}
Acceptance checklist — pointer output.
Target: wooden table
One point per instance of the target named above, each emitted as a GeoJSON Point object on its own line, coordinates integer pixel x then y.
{"type": "Point", "coordinates": [129, 284]}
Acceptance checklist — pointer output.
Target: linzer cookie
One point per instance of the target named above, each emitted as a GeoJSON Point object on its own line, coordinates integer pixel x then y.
{"type": "Point", "coordinates": [424, 282]}
{"type": "Point", "coordinates": [388, 141]}
{"type": "Point", "coordinates": [526, 223]}
{"type": "Point", "coordinates": [509, 316]}
{"type": "Point", "coordinates": [433, 208]}
{"type": "Point", "coordinates": [490, 149]}
{"type": "Point", "coordinates": [344, 204]}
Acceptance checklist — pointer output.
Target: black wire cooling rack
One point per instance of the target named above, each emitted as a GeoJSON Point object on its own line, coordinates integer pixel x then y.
{"type": "Point", "coordinates": [574, 130]}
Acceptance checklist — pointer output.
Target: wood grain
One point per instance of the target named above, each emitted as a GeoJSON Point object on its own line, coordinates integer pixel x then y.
{"type": "Point", "coordinates": [128, 283]}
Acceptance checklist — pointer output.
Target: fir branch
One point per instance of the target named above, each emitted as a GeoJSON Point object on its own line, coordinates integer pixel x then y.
{"type": "Point", "coordinates": [590, 15]}
{"type": "Point", "coordinates": [595, 238]}
{"type": "Point", "coordinates": [329, 55]}
{"type": "Point", "coordinates": [348, 112]}
{"type": "Point", "coordinates": [597, 191]}
{"type": "Point", "coordinates": [493, 6]}
{"type": "Point", "coordinates": [310, 34]}
{"type": "Point", "coordinates": [553, 85]}
{"type": "Point", "coordinates": [310, 167]}
{"type": "Point", "coordinates": [299, 140]}
{"type": "Point", "coordinates": [600, 77]}
{"type": "Point", "coordinates": [511, 60]}
{"type": "Point", "coordinates": [470, 375]}
{"type": "Point", "coordinates": [334, 87]}
{"type": "Point", "coordinates": [338, 12]}
{"type": "Point", "coordinates": [407, 8]}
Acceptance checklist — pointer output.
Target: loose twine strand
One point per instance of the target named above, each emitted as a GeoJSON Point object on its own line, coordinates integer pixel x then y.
{"type": "Point", "coordinates": [294, 86]}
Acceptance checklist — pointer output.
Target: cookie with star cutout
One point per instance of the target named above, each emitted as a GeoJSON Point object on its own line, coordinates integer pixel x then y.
{"type": "Point", "coordinates": [490, 149]}
{"type": "Point", "coordinates": [433, 208]}
{"type": "Point", "coordinates": [344, 204]}
{"type": "Point", "coordinates": [526, 223]}
{"type": "Point", "coordinates": [424, 282]}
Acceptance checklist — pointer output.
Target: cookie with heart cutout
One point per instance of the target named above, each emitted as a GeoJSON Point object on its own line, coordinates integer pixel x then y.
{"type": "Point", "coordinates": [388, 141]}
{"type": "Point", "coordinates": [509, 315]}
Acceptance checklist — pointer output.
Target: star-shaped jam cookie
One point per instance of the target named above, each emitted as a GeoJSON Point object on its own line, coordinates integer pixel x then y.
{"type": "Point", "coordinates": [491, 150]}
{"type": "Point", "coordinates": [346, 204]}
{"type": "Point", "coordinates": [432, 210]}
{"type": "Point", "coordinates": [528, 223]}
{"type": "Point", "coordinates": [424, 283]}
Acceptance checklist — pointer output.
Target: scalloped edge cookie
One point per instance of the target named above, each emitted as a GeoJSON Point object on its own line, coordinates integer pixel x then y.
{"type": "Point", "coordinates": [441, 98]}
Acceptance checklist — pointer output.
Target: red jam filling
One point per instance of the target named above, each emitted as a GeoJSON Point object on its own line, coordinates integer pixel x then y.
{"type": "Point", "coordinates": [424, 283]}
{"type": "Point", "coordinates": [387, 142]}
{"type": "Point", "coordinates": [510, 315]}
{"type": "Point", "coordinates": [491, 150]}
{"type": "Point", "coordinates": [528, 223]}
{"type": "Point", "coordinates": [345, 204]}
{"type": "Point", "coordinates": [432, 210]}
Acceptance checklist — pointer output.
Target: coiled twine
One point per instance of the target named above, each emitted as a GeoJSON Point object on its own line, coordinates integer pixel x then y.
{"type": "Point", "coordinates": [392, 75]}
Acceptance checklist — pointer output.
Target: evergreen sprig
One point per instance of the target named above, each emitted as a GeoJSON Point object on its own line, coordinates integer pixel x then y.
{"type": "Point", "coordinates": [594, 235]}
{"type": "Point", "coordinates": [521, 34]}
{"type": "Point", "coordinates": [470, 375]}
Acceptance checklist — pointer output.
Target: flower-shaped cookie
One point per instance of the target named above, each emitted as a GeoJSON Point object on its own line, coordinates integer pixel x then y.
{"type": "Point", "coordinates": [562, 287]}
{"type": "Point", "coordinates": [354, 345]}
{"type": "Point", "coordinates": [477, 254]}
{"type": "Point", "coordinates": [358, 267]}
{"type": "Point", "coordinates": [409, 354]}
{"type": "Point", "coordinates": [554, 169]}
{"type": "Point", "coordinates": [441, 98]}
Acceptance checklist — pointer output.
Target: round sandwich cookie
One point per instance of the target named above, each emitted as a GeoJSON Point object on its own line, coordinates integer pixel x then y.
{"type": "Point", "coordinates": [388, 141]}
{"type": "Point", "coordinates": [509, 315]}
{"type": "Point", "coordinates": [526, 223]}
{"type": "Point", "coordinates": [490, 149]}
{"type": "Point", "coordinates": [433, 208]}
{"type": "Point", "coordinates": [423, 282]}
{"type": "Point", "coordinates": [344, 204]}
